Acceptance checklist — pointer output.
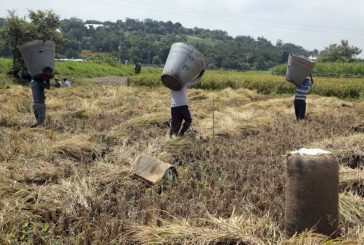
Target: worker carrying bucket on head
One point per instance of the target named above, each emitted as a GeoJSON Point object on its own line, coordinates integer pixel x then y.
{"type": "Point", "coordinates": [301, 92]}
{"type": "Point", "coordinates": [39, 59]}
{"type": "Point", "coordinates": [39, 107]}
{"type": "Point", "coordinates": [184, 68]}
{"type": "Point", "coordinates": [299, 73]}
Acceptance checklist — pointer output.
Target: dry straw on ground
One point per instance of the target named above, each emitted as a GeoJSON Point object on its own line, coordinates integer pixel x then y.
{"type": "Point", "coordinates": [49, 195]}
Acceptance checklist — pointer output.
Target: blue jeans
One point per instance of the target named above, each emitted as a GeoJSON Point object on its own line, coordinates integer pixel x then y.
{"type": "Point", "coordinates": [39, 112]}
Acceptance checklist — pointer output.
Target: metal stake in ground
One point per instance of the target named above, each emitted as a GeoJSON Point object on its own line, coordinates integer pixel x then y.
{"type": "Point", "coordinates": [312, 192]}
{"type": "Point", "coordinates": [213, 119]}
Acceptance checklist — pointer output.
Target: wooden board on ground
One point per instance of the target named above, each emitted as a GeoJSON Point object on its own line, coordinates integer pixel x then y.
{"type": "Point", "coordinates": [153, 170]}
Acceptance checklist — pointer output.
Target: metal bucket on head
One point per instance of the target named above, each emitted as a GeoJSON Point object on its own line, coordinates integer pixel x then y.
{"type": "Point", "coordinates": [298, 69]}
{"type": "Point", "coordinates": [184, 63]}
{"type": "Point", "coordinates": [39, 58]}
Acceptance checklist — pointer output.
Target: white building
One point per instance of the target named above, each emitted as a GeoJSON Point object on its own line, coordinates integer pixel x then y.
{"type": "Point", "coordinates": [93, 25]}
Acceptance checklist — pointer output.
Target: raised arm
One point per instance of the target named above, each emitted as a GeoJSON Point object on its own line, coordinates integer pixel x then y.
{"type": "Point", "coordinates": [196, 80]}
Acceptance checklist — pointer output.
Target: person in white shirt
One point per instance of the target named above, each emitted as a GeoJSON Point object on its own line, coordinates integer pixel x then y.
{"type": "Point", "coordinates": [180, 112]}
{"type": "Point", "coordinates": [66, 83]}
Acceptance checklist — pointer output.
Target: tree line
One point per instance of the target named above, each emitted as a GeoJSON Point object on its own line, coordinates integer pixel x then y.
{"type": "Point", "coordinates": [146, 41]}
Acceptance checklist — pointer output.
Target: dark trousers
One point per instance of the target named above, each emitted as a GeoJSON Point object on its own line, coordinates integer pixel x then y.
{"type": "Point", "coordinates": [39, 112]}
{"type": "Point", "coordinates": [300, 109]}
{"type": "Point", "coordinates": [180, 114]}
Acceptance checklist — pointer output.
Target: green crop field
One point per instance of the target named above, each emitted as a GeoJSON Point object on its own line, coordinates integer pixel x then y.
{"type": "Point", "coordinates": [337, 69]}
{"type": "Point", "coordinates": [265, 83]}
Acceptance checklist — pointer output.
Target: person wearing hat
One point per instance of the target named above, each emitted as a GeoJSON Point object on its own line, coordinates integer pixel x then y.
{"type": "Point", "coordinates": [37, 86]}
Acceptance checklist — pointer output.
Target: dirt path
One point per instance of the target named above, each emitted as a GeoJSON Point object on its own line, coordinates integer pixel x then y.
{"type": "Point", "coordinates": [110, 80]}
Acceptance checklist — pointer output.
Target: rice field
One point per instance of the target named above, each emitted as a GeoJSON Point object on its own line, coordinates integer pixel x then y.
{"type": "Point", "coordinates": [69, 182]}
{"type": "Point", "coordinates": [265, 83]}
{"type": "Point", "coordinates": [329, 69]}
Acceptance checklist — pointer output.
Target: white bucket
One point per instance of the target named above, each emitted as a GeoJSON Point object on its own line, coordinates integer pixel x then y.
{"type": "Point", "coordinates": [184, 63]}
{"type": "Point", "coordinates": [298, 69]}
{"type": "Point", "coordinates": [39, 58]}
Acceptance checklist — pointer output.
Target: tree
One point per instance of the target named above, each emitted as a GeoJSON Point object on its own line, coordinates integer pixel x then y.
{"type": "Point", "coordinates": [341, 52]}
{"type": "Point", "coordinates": [156, 60]}
{"type": "Point", "coordinates": [147, 40]}
{"type": "Point", "coordinates": [43, 25]}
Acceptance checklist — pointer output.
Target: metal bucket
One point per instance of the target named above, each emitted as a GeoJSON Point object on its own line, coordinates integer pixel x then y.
{"type": "Point", "coordinates": [298, 69]}
{"type": "Point", "coordinates": [184, 63]}
{"type": "Point", "coordinates": [39, 58]}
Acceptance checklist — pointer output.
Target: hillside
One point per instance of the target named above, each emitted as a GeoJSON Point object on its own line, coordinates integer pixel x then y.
{"type": "Point", "coordinates": [149, 41]}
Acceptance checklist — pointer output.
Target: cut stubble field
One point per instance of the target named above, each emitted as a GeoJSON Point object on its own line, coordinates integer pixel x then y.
{"type": "Point", "coordinates": [69, 182]}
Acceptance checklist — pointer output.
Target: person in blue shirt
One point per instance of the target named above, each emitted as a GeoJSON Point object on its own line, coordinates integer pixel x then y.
{"type": "Point", "coordinates": [300, 98]}
{"type": "Point", "coordinates": [39, 107]}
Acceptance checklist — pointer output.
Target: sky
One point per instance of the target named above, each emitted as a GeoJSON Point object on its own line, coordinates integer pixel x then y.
{"type": "Point", "coordinates": [312, 24]}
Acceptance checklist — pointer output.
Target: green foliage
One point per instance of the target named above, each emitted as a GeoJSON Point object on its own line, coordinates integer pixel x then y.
{"type": "Point", "coordinates": [149, 42]}
{"type": "Point", "coordinates": [341, 52]}
{"type": "Point", "coordinates": [5, 65]}
{"type": "Point", "coordinates": [329, 69]}
{"type": "Point", "coordinates": [102, 59]}
{"type": "Point", "coordinates": [44, 25]}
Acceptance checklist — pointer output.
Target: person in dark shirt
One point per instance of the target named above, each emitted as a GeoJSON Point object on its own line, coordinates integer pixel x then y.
{"type": "Point", "coordinates": [39, 107]}
{"type": "Point", "coordinates": [138, 68]}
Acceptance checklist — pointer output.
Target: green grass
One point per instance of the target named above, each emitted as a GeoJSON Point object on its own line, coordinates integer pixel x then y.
{"type": "Point", "coordinates": [79, 71]}
{"type": "Point", "coordinates": [329, 69]}
{"type": "Point", "coordinates": [207, 41]}
{"type": "Point", "coordinates": [5, 65]}
{"type": "Point", "coordinates": [87, 70]}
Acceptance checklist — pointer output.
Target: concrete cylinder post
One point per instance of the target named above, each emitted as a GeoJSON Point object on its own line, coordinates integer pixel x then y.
{"type": "Point", "coordinates": [312, 192]}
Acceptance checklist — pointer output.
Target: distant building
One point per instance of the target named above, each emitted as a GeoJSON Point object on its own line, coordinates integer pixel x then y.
{"type": "Point", "coordinates": [65, 59]}
{"type": "Point", "coordinates": [93, 25]}
{"type": "Point", "coordinates": [312, 58]}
